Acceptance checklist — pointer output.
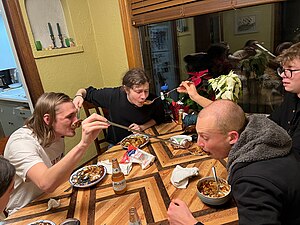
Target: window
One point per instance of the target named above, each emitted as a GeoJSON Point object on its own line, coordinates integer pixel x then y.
{"type": "Point", "coordinates": [164, 48]}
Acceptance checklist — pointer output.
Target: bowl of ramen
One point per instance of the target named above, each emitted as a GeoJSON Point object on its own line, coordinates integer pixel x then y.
{"type": "Point", "coordinates": [208, 192]}
{"type": "Point", "coordinates": [136, 140]}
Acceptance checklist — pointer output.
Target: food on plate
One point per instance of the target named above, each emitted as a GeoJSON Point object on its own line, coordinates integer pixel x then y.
{"type": "Point", "coordinates": [87, 175]}
{"type": "Point", "coordinates": [42, 222]}
{"type": "Point", "coordinates": [197, 150]}
{"type": "Point", "coordinates": [209, 188]}
{"type": "Point", "coordinates": [136, 140]}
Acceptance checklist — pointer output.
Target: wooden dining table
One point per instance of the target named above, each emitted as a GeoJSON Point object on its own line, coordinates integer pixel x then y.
{"type": "Point", "coordinates": [149, 190]}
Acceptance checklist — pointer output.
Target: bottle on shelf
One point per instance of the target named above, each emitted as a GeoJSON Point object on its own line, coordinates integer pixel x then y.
{"type": "Point", "coordinates": [166, 104]}
{"type": "Point", "coordinates": [134, 217]}
{"type": "Point", "coordinates": [118, 178]}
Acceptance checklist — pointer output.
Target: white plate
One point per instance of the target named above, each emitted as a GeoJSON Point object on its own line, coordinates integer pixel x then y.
{"type": "Point", "coordinates": [178, 139]}
{"type": "Point", "coordinates": [88, 183]}
{"type": "Point", "coordinates": [15, 85]}
{"type": "Point", "coordinates": [132, 136]}
{"type": "Point", "coordinates": [42, 222]}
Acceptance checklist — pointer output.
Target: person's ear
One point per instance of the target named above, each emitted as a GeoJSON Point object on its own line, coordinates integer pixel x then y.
{"type": "Point", "coordinates": [126, 89]}
{"type": "Point", "coordinates": [233, 137]}
{"type": "Point", "coordinates": [46, 118]}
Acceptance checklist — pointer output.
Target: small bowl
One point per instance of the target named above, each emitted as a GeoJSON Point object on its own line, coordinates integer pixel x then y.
{"type": "Point", "coordinates": [181, 141]}
{"type": "Point", "coordinates": [210, 181]}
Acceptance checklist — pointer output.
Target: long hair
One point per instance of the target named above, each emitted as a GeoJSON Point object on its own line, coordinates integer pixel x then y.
{"type": "Point", "coordinates": [135, 76]}
{"type": "Point", "coordinates": [7, 173]}
{"type": "Point", "coordinates": [46, 104]}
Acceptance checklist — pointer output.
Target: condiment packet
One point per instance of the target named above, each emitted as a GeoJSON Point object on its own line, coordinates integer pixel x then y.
{"type": "Point", "coordinates": [136, 155]}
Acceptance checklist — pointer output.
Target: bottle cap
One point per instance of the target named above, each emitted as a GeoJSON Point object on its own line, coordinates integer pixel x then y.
{"type": "Point", "coordinates": [165, 87]}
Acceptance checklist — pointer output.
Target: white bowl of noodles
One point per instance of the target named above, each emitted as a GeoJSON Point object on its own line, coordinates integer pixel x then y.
{"type": "Point", "coordinates": [207, 191]}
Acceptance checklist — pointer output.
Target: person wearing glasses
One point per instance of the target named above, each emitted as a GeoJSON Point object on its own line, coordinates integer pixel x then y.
{"type": "Point", "coordinates": [125, 104]}
{"type": "Point", "coordinates": [287, 115]}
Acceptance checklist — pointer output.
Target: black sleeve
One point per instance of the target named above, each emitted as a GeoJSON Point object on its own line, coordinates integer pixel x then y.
{"type": "Point", "coordinates": [99, 97]}
{"type": "Point", "coordinates": [276, 115]}
{"type": "Point", "coordinates": [199, 223]}
{"type": "Point", "coordinates": [258, 201]}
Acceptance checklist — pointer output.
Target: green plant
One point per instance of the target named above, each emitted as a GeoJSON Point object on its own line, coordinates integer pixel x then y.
{"type": "Point", "coordinates": [226, 86]}
{"type": "Point", "coordinates": [256, 64]}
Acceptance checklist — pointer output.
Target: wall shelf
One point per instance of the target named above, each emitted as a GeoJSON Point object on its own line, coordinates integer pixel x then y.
{"type": "Point", "coordinates": [57, 52]}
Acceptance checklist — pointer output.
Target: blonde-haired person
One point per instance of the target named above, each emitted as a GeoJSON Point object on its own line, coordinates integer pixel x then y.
{"type": "Point", "coordinates": [7, 178]}
{"type": "Point", "coordinates": [37, 149]}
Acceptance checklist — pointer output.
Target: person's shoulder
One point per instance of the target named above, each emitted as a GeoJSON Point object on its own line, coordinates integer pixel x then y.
{"type": "Point", "coordinates": [22, 132]}
{"type": "Point", "coordinates": [21, 136]}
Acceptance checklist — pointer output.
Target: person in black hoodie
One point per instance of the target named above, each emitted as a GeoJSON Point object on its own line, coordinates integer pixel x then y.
{"type": "Point", "coordinates": [263, 171]}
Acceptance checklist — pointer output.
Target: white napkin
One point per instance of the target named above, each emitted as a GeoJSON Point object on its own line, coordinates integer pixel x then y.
{"type": "Point", "coordinates": [125, 167]}
{"type": "Point", "coordinates": [52, 204]}
{"type": "Point", "coordinates": [180, 176]}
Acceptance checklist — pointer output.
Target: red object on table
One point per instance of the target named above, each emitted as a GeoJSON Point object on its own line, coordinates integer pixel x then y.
{"type": "Point", "coordinates": [175, 109]}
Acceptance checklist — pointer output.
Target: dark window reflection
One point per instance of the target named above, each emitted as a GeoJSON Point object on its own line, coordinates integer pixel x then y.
{"type": "Point", "coordinates": [242, 40]}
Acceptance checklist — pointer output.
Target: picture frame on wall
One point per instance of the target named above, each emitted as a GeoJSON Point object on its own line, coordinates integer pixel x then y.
{"type": "Point", "coordinates": [245, 24]}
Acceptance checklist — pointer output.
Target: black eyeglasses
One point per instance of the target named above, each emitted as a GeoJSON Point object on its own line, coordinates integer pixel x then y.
{"type": "Point", "coordinates": [287, 72]}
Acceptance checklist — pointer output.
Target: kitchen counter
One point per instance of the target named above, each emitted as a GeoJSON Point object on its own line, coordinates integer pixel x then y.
{"type": "Point", "coordinates": [14, 94]}
{"type": "Point", "coordinates": [14, 109]}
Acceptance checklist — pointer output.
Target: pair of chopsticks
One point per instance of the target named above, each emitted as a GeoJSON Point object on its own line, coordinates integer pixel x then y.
{"type": "Point", "coordinates": [143, 133]}
{"type": "Point", "coordinates": [222, 161]}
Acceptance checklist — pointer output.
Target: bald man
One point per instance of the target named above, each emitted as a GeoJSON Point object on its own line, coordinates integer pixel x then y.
{"type": "Point", "coordinates": [263, 171]}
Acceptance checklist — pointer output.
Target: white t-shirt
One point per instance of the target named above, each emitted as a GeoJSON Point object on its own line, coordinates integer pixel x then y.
{"type": "Point", "coordinates": [24, 151]}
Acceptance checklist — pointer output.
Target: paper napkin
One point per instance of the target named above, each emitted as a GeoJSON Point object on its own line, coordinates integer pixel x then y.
{"type": "Point", "coordinates": [125, 167]}
{"type": "Point", "coordinates": [180, 176]}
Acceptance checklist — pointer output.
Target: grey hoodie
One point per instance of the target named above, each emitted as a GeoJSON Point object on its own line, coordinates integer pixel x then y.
{"type": "Point", "coordinates": [262, 139]}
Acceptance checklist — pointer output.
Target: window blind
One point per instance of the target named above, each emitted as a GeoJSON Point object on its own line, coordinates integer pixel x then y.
{"type": "Point", "coordinates": [154, 11]}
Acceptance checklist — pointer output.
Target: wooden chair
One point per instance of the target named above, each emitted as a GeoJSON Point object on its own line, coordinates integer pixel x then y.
{"type": "Point", "coordinates": [3, 142]}
{"type": "Point", "coordinates": [100, 142]}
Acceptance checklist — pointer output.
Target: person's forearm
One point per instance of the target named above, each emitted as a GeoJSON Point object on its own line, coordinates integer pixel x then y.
{"type": "Point", "coordinates": [61, 171]}
{"type": "Point", "coordinates": [202, 101]}
{"type": "Point", "coordinates": [150, 123]}
{"type": "Point", "coordinates": [81, 92]}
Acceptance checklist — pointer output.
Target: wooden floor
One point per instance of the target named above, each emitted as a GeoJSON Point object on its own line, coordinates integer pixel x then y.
{"type": "Point", "coordinates": [150, 191]}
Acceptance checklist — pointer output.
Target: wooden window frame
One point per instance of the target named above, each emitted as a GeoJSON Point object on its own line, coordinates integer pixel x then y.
{"type": "Point", "coordinates": [23, 49]}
